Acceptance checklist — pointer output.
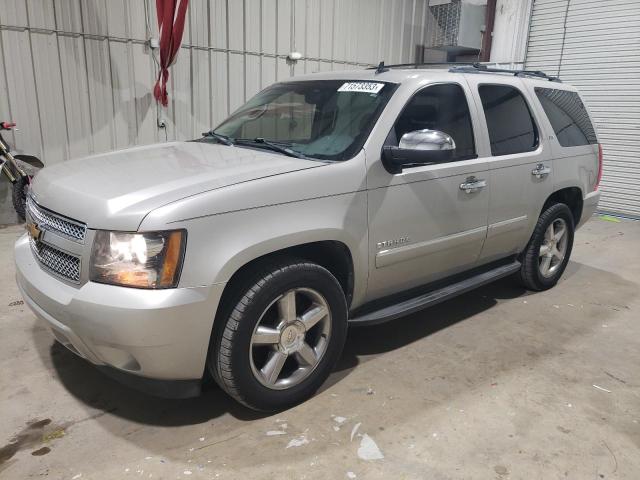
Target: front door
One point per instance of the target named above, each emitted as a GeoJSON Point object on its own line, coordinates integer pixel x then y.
{"type": "Point", "coordinates": [429, 221]}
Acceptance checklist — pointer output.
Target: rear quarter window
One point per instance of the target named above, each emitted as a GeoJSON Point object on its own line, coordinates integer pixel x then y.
{"type": "Point", "coordinates": [568, 117]}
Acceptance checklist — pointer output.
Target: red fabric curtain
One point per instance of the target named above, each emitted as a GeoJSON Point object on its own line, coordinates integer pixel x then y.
{"type": "Point", "coordinates": [171, 16]}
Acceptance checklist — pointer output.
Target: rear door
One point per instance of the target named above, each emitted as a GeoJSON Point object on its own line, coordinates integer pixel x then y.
{"type": "Point", "coordinates": [573, 140]}
{"type": "Point", "coordinates": [519, 162]}
{"type": "Point", "coordinates": [422, 225]}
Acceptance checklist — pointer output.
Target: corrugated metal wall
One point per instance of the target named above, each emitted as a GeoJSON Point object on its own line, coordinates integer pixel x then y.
{"type": "Point", "coordinates": [78, 74]}
{"type": "Point", "coordinates": [595, 46]}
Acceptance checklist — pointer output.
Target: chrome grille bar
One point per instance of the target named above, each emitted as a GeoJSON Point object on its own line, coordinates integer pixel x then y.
{"type": "Point", "coordinates": [48, 220]}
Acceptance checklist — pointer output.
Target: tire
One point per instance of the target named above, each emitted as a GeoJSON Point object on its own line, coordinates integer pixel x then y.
{"type": "Point", "coordinates": [541, 266]}
{"type": "Point", "coordinates": [260, 327]}
{"type": "Point", "coordinates": [19, 196]}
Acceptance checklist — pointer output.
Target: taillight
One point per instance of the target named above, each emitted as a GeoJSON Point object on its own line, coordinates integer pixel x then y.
{"type": "Point", "coordinates": [599, 167]}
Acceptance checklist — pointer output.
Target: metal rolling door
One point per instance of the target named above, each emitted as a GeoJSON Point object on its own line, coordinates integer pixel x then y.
{"type": "Point", "coordinates": [595, 46]}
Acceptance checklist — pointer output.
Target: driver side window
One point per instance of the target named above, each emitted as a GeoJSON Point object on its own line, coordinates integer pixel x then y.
{"type": "Point", "coordinates": [440, 107]}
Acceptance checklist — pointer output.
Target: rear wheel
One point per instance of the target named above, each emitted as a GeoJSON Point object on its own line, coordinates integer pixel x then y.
{"type": "Point", "coordinates": [283, 336]}
{"type": "Point", "coordinates": [549, 248]}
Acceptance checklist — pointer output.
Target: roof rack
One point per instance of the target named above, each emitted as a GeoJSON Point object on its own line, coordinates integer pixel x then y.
{"type": "Point", "coordinates": [479, 68]}
{"type": "Point", "coordinates": [467, 67]}
{"type": "Point", "coordinates": [384, 68]}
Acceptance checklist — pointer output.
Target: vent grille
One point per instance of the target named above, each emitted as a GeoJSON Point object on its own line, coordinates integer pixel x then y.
{"type": "Point", "coordinates": [50, 221]}
{"type": "Point", "coordinates": [444, 24]}
{"type": "Point", "coordinates": [57, 261]}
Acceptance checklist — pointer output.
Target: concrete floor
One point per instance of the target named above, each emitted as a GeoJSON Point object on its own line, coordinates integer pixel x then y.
{"type": "Point", "coordinates": [7, 213]}
{"type": "Point", "coordinates": [498, 383]}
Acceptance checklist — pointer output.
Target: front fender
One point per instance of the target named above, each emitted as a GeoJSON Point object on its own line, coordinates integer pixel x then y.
{"type": "Point", "coordinates": [219, 245]}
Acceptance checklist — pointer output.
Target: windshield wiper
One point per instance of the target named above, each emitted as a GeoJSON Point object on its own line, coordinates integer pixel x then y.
{"type": "Point", "coordinates": [270, 145]}
{"type": "Point", "coordinates": [221, 138]}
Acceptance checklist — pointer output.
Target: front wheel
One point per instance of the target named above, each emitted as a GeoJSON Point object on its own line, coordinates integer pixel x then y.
{"type": "Point", "coordinates": [19, 196]}
{"type": "Point", "coordinates": [283, 336]}
{"type": "Point", "coordinates": [549, 248]}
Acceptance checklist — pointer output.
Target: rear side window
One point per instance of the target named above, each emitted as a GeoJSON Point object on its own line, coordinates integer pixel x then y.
{"type": "Point", "coordinates": [509, 120]}
{"type": "Point", "coordinates": [568, 117]}
{"type": "Point", "coordinates": [440, 107]}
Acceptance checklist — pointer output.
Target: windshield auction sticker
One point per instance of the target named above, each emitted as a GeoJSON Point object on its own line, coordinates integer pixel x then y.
{"type": "Point", "coordinates": [361, 87]}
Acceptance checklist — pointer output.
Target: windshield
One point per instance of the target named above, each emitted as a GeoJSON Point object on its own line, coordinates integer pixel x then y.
{"type": "Point", "coordinates": [324, 119]}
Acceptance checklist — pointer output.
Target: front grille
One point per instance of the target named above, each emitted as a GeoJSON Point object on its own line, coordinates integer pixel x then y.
{"type": "Point", "coordinates": [47, 220]}
{"type": "Point", "coordinates": [57, 261]}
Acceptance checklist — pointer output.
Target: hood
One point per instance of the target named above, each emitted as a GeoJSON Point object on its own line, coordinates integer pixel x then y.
{"type": "Point", "coordinates": [116, 190]}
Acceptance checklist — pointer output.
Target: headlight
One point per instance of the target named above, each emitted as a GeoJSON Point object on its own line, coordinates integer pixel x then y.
{"type": "Point", "coordinates": [142, 260]}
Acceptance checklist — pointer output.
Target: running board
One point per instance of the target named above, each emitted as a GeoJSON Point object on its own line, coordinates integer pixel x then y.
{"type": "Point", "coordinates": [434, 297]}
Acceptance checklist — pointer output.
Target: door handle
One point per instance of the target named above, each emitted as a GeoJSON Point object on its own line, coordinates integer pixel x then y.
{"type": "Point", "coordinates": [541, 171]}
{"type": "Point", "coordinates": [473, 184]}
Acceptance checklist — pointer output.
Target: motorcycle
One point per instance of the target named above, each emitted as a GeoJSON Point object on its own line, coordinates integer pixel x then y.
{"type": "Point", "coordinates": [16, 169]}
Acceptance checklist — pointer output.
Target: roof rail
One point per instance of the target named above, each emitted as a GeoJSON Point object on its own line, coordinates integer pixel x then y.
{"type": "Point", "coordinates": [381, 67]}
{"type": "Point", "coordinates": [466, 67]}
{"type": "Point", "coordinates": [479, 68]}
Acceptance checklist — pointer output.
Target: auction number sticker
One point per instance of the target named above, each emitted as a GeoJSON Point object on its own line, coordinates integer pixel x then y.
{"type": "Point", "coordinates": [361, 87]}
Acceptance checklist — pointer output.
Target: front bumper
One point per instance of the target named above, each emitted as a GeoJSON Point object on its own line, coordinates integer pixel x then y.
{"type": "Point", "coordinates": [158, 334]}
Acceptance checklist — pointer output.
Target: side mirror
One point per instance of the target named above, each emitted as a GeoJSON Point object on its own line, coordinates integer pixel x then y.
{"type": "Point", "coordinates": [420, 147]}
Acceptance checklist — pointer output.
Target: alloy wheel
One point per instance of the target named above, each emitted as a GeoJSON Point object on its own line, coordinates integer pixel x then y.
{"type": "Point", "coordinates": [553, 248]}
{"type": "Point", "coordinates": [290, 338]}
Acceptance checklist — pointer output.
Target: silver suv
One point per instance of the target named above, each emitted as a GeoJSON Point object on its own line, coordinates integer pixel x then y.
{"type": "Point", "coordinates": [328, 200]}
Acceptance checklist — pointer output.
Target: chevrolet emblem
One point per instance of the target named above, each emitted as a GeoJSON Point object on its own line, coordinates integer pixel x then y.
{"type": "Point", "coordinates": [34, 231]}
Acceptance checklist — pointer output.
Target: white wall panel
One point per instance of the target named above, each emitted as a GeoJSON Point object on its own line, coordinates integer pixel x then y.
{"type": "Point", "coordinates": [100, 94]}
{"type": "Point", "coordinates": [21, 90]}
{"type": "Point", "coordinates": [5, 110]}
{"type": "Point", "coordinates": [53, 122]}
{"type": "Point", "coordinates": [327, 8]}
{"type": "Point", "coordinates": [137, 23]}
{"type": "Point", "coordinates": [68, 15]}
{"type": "Point", "coordinates": [41, 14]}
{"type": "Point", "coordinates": [219, 61]}
{"type": "Point", "coordinates": [78, 75]}
{"type": "Point", "coordinates": [144, 79]}
{"type": "Point", "coordinates": [253, 40]}
{"type": "Point", "coordinates": [252, 76]}
{"type": "Point", "coordinates": [219, 77]}
{"type": "Point", "coordinates": [180, 98]}
{"type": "Point", "coordinates": [14, 12]}
{"type": "Point", "coordinates": [200, 65]}
{"type": "Point", "coordinates": [283, 26]}
{"type": "Point", "coordinates": [268, 26]}
{"type": "Point", "coordinates": [236, 84]}
{"type": "Point", "coordinates": [122, 81]}
{"type": "Point", "coordinates": [76, 96]}
{"type": "Point", "coordinates": [94, 16]}
{"type": "Point", "coordinates": [340, 30]}
{"type": "Point", "coordinates": [268, 41]}
{"type": "Point", "coordinates": [312, 35]}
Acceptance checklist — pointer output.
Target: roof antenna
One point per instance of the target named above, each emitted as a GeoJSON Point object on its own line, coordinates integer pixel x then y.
{"type": "Point", "coordinates": [381, 68]}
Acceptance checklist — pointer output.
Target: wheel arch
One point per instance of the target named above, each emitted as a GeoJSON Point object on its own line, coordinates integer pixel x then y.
{"type": "Point", "coordinates": [334, 255]}
{"type": "Point", "coordinates": [570, 196]}
{"type": "Point", "coordinates": [237, 317]}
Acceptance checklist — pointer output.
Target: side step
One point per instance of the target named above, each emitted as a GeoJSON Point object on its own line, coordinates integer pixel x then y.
{"type": "Point", "coordinates": [435, 296]}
